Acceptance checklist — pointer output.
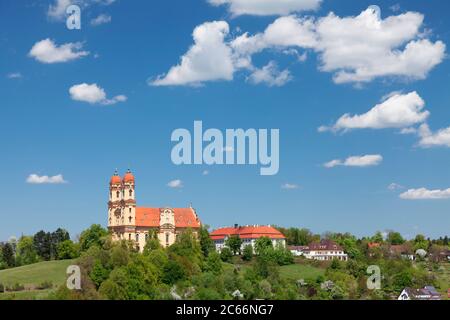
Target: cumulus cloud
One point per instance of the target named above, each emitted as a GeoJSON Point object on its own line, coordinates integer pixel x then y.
{"type": "Point", "coordinates": [93, 94]}
{"type": "Point", "coordinates": [266, 7]}
{"type": "Point", "coordinates": [356, 161]}
{"type": "Point", "coordinates": [36, 179]}
{"type": "Point", "coordinates": [429, 139]}
{"type": "Point", "coordinates": [57, 9]}
{"type": "Point", "coordinates": [175, 184]}
{"type": "Point", "coordinates": [398, 111]}
{"type": "Point", "coordinates": [101, 19]}
{"type": "Point", "coordinates": [289, 186]}
{"type": "Point", "coordinates": [209, 59]}
{"type": "Point", "coordinates": [425, 194]}
{"type": "Point", "coordinates": [362, 48]}
{"type": "Point", "coordinates": [46, 51]}
{"type": "Point", "coordinates": [270, 75]}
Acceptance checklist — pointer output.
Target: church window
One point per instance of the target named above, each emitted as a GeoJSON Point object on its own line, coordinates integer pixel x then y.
{"type": "Point", "coordinates": [167, 238]}
{"type": "Point", "coordinates": [129, 219]}
{"type": "Point", "coordinates": [131, 192]}
{"type": "Point", "coordinates": [117, 194]}
{"type": "Point", "coordinates": [129, 209]}
{"type": "Point", "coordinates": [129, 236]}
{"type": "Point", "coordinates": [146, 237]}
{"type": "Point", "coordinates": [137, 237]}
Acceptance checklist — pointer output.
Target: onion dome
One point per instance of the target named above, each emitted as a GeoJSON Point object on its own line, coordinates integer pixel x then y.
{"type": "Point", "coordinates": [128, 177]}
{"type": "Point", "coordinates": [115, 179]}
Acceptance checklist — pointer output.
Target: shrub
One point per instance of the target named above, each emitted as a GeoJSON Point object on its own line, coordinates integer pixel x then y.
{"type": "Point", "coordinates": [226, 254]}
{"type": "Point", "coordinates": [45, 285]}
{"type": "Point", "coordinates": [17, 287]}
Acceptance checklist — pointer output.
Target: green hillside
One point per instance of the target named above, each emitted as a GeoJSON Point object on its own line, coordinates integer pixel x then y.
{"type": "Point", "coordinates": [35, 274]}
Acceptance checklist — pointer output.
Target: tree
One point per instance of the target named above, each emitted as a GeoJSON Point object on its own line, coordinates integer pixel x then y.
{"type": "Point", "coordinates": [395, 238]}
{"type": "Point", "coordinates": [247, 253]}
{"type": "Point", "coordinates": [226, 254]}
{"type": "Point", "coordinates": [378, 237]}
{"type": "Point", "coordinates": [206, 243]}
{"type": "Point", "coordinates": [93, 236]}
{"type": "Point", "coordinates": [234, 243]}
{"type": "Point", "coordinates": [67, 250]}
{"type": "Point", "coordinates": [26, 253]}
{"type": "Point", "coordinates": [42, 244]}
{"type": "Point", "coordinates": [173, 271]}
{"type": "Point", "coordinates": [8, 255]}
{"type": "Point", "coordinates": [261, 244]}
{"type": "Point", "coordinates": [213, 263]}
{"type": "Point", "coordinates": [56, 238]}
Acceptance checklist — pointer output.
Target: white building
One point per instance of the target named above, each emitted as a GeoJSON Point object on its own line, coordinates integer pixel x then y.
{"type": "Point", "coordinates": [324, 250]}
{"type": "Point", "coordinates": [248, 235]}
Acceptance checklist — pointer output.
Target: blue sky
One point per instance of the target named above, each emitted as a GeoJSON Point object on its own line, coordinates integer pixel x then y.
{"type": "Point", "coordinates": [84, 133]}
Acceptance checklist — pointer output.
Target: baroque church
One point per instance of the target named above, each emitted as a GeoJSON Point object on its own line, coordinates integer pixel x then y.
{"type": "Point", "coordinates": [126, 221]}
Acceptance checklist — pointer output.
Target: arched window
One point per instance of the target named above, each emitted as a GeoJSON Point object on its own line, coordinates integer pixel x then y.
{"type": "Point", "coordinates": [129, 219]}
{"type": "Point", "coordinates": [137, 237]}
{"type": "Point", "coordinates": [117, 194]}
{"type": "Point", "coordinates": [167, 239]}
{"type": "Point", "coordinates": [131, 192]}
{"type": "Point", "coordinates": [129, 209]}
{"type": "Point", "coordinates": [146, 237]}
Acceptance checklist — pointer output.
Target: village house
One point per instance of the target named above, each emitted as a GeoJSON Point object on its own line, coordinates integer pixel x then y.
{"type": "Point", "coordinates": [248, 235]}
{"type": "Point", "coordinates": [427, 293]}
{"type": "Point", "coordinates": [402, 251]}
{"type": "Point", "coordinates": [324, 250]}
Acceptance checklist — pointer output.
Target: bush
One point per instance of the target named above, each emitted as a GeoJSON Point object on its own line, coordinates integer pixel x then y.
{"type": "Point", "coordinates": [247, 254]}
{"type": "Point", "coordinates": [45, 285]}
{"type": "Point", "coordinates": [226, 254]}
{"type": "Point", "coordinates": [17, 287]}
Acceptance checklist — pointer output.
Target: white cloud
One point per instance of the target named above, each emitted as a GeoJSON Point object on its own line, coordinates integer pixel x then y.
{"type": "Point", "coordinates": [208, 59]}
{"type": "Point", "coordinates": [356, 49]}
{"type": "Point", "coordinates": [176, 184]}
{"type": "Point", "coordinates": [398, 111]}
{"type": "Point", "coordinates": [395, 186]}
{"type": "Point", "coordinates": [101, 19]}
{"type": "Point", "coordinates": [57, 10]}
{"type": "Point", "coordinates": [36, 179]}
{"type": "Point", "coordinates": [267, 7]}
{"type": "Point", "coordinates": [205, 172]}
{"type": "Point", "coordinates": [93, 94]}
{"type": "Point", "coordinates": [46, 51]}
{"type": "Point", "coordinates": [362, 48]}
{"type": "Point", "coordinates": [270, 75]}
{"type": "Point", "coordinates": [14, 75]}
{"type": "Point", "coordinates": [425, 194]}
{"type": "Point", "coordinates": [289, 186]}
{"type": "Point", "coordinates": [429, 139]}
{"type": "Point", "coordinates": [356, 161]}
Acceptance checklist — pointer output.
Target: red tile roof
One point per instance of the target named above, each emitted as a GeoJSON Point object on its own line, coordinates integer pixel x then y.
{"type": "Point", "coordinates": [150, 217]}
{"type": "Point", "coordinates": [247, 232]}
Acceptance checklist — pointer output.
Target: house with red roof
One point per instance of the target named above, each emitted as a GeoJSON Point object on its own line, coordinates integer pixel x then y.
{"type": "Point", "coordinates": [325, 250]}
{"type": "Point", "coordinates": [248, 234]}
{"type": "Point", "coordinates": [127, 221]}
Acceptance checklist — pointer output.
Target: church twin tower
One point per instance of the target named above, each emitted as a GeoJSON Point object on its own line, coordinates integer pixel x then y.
{"type": "Point", "coordinates": [126, 221]}
{"type": "Point", "coordinates": [122, 201]}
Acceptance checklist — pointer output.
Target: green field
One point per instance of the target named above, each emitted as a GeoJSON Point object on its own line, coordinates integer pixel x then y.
{"type": "Point", "coordinates": [301, 271]}
{"type": "Point", "coordinates": [35, 274]}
